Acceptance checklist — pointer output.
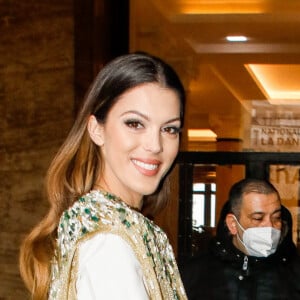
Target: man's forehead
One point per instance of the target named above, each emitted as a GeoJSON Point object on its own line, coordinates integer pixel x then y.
{"type": "Point", "coordinates": [256, 202]}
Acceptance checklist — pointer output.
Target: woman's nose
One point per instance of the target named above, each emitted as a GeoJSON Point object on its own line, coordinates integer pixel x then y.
{"type": "Point", "coordinates": [153, 142]}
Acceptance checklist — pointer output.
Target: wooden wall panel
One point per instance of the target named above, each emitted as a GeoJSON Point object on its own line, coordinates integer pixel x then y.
{"type": "Point", "coordinates": [36, 108]}
{"type": "Point", "coordinates": [44, 46]}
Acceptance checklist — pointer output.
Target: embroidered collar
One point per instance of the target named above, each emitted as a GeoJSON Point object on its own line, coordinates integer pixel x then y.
{"type": "Point", "coordinates": [97, 210]}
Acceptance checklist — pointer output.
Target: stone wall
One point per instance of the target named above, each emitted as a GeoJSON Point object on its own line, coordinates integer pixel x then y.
{"type": "Point", "coordinates": [36, 111]}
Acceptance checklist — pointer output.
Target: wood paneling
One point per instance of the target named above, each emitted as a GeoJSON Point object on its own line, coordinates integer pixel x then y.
{"type": "Point", "coordinates": [36, 107]}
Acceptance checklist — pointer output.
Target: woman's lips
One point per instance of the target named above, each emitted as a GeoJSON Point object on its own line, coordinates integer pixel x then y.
{"type": "Point", "coordinates": [149, 168]}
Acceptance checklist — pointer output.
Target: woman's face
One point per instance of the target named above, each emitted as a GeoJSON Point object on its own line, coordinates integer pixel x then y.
{"type": "Point", "coordinates": [139, 141]}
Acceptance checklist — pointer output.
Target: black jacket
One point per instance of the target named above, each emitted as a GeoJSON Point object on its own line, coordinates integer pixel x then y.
{"type": "Point", "coordinates": [225, 273]}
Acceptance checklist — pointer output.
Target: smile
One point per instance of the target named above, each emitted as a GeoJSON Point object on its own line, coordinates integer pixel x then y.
{"type": "Point", "coordinates": [145, 166]}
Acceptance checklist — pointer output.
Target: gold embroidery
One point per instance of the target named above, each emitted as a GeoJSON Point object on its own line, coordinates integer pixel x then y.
{"type": "Point", "coordinates": [100, 213]}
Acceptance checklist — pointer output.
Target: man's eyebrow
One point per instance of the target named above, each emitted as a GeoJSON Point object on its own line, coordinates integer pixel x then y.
{"type": "Point", "coordinates": [277, 211]}
{"type": "Point", "coordinates": [263, 213]}
{"type": "Point", "coordinates": [257, 213]}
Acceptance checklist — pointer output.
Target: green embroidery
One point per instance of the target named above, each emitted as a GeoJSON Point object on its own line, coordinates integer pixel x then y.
{"type": "Point", "coordinates": [95, 218]}
{"type": "Point", "coordinates": [66, 216]}
{"type": "Point", "coordinates": [100, 208]}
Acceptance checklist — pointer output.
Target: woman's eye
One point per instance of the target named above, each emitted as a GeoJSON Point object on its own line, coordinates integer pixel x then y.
{"type": "Point", "coordinates": [171, 130]}
{"type": "Point", "coordinates": [134, 124]}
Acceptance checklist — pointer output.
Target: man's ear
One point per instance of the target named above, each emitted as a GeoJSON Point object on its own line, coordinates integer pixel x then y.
{"type": "Point", "coordinates": [231, 223]}
{"type": "Point", "coordinates": [95, 130]}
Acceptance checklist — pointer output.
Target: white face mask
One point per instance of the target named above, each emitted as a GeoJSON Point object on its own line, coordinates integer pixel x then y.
{"type": "Point", "coordinates": [260, 241]}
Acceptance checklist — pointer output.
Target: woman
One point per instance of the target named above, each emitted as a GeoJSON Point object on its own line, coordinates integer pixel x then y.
{"type": "Point", "coordinates": [94, 243]}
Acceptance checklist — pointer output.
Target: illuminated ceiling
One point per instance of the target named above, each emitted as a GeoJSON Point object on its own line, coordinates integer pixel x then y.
{"type": "Point", "coordinates": [279, 83]}
{"type": "Point", "coordinates": [223, 77]}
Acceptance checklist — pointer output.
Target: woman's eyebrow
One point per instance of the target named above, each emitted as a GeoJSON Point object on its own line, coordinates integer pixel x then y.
{"type": "Point", "coordinates": [135, 112]}
{"type": "Point", "coordinates": [173, 120]}
{"type": "Point", "coordinates": [146, 117]}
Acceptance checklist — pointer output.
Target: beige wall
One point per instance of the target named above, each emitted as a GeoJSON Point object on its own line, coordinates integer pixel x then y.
{"type": "Point", "coordinates": [36, 109]}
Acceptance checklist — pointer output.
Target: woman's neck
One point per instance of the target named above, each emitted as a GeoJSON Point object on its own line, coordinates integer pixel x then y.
{"type": "Point", "coordinates": [133, 201]}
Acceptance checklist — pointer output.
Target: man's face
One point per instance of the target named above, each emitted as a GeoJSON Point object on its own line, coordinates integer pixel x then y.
{"type": "Point", "coordinates": [257, 210]}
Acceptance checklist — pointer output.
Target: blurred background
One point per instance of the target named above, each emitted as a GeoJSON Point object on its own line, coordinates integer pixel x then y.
{"type": "Point", "coordinates": [239, 62]}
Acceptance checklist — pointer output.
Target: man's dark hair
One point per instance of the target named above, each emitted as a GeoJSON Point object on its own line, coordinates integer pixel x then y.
{"type": "Point", "coordinates": [246, 186]}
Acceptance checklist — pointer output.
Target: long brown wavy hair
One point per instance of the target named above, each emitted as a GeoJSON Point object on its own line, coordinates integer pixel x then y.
{"type": "Point", "coordinates": [77, 164]}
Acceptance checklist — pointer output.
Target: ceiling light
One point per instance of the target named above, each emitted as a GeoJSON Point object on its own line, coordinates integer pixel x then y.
{"type": "Point", "coordinates": [201, 135]}
{"type": "Point", "coordinates": [236, 38]}
{"type": "Point", "coordinates": [279, 83]}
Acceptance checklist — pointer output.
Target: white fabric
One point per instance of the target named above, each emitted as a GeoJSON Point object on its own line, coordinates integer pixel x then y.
{"type": "Point", "coordinates": [109, 270]}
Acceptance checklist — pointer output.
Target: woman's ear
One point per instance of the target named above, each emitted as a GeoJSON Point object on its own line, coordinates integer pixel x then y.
{"type": "Point", "coordinates": [95, 130]}
{"type": "Point", "coordinates": [231, 223]}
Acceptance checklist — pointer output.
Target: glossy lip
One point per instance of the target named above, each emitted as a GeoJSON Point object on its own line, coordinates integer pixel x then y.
{"type": "Point", "coordinates": [149, 167]}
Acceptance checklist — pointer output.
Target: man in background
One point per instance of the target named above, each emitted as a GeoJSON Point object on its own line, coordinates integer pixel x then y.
{"type": "Point", "coordinates": [253, 255]}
